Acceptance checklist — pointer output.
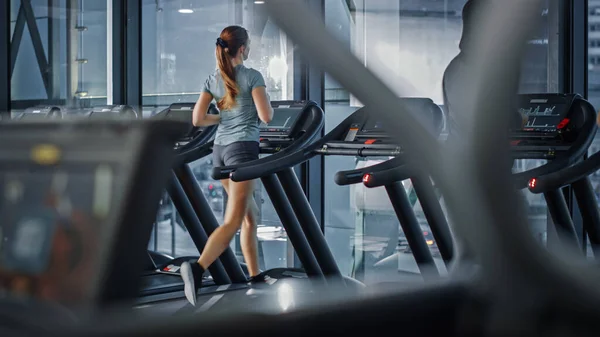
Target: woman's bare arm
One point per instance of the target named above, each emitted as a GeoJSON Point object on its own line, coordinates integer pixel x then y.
{"type": "Point", "coordinates": [200, 114]}
{"type": "Point", "coordinates": [263, 104]}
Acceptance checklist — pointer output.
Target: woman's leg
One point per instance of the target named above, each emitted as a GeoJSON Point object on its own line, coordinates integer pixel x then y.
{"type": "Point", "coordinates": [237, 204]}
{"type": "Point", "coordinates": [219, 240]}
{"type": "Point", "coordinates": [248, 239]}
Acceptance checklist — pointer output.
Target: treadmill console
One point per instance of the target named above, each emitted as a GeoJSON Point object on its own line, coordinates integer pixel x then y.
{"type": "Point", "coordinates": [546, 113]}
{"type": "Point", "coordinates": [288, 121]}
{"type": "Point", "coordinates": [41, 112]}
{"type": "Point", "coordinates": [365, 134]}
{"type": "Point", "coordinates": [286, 115]}
{"type": "Point", "coordinates": [113, 111]}
{"type": "Point", "coordinates": [549, 123]}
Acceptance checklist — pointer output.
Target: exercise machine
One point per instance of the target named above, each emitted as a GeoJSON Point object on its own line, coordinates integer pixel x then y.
{"type": "Point", "coordinates": [41, 112]}
{"type": "Point", "coordinates": [113, 111]}
{"type": "Point", "coordinates": [369, 137]}
{"type": "Point", "coordinates": [293, 122]}
{"type": "Point", "coordinates": [557, 128]}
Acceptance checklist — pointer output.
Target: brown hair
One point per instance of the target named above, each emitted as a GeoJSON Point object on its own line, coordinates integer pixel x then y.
{"type": "Point", "coordinates": [228, 44]}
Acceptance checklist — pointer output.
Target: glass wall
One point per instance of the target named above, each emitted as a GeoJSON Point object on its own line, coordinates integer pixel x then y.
{"type": "Point", "coordinates": [59, 50]}
{"type": "Point", "coordinates": [594, 80]}
{"type": "Point", "coordinates": [408, 44]}
{"type": "Point", "coordinates": [178, 48]}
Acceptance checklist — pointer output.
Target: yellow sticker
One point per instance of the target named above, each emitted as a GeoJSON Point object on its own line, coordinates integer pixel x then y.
{"type": "Point", "coordinates": [45, 154]}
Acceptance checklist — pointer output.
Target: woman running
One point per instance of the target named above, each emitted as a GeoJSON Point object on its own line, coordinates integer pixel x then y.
{"type": "Point", "coordinates": [243, 102]}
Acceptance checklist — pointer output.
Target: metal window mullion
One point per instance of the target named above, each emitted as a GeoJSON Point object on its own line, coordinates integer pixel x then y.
{"type": "Point", "coordinates": [133, 54]}
{"type": "Point", "coordinates": [5, 64]}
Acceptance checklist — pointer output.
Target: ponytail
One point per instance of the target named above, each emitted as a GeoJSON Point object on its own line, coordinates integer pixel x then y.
{"type": "Point", "coordinates": [228, 75]}
{"type": "Point", "coordinates": [228, 44]}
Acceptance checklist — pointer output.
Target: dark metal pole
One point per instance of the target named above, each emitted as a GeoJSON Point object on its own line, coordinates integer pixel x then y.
{"type": "Point", "coordinates": [54, 45]}
{"type": "Point", "coordinates": [5, 64]}
{"type": "Point", "coordinates": [565, 229]}
{"type": "Point", "coordinates": [584, 193]}
{"type": "Point", "coordinates": [207, 220]}
{"type": "Point", "coordinates": [308, 222]}
{"type": "Point", "coordinates": [72, 51]}
{"type": "Point", "coordinates": [173, 229]}
{"type": "Point", "coordinates": [412, 230]}
{"type": "Point", "coordinates": [194, 227]}
{"type": "Point", "coordinates": [155, 236]}
{"type": "Point", "coordinates": [292, 227]}
{"type": "Point", "coordinates": [434, 215]}
{"type": "Point", "coordinates": [133, 54]}
{"type": "Point", "coordinates": [119, 26]}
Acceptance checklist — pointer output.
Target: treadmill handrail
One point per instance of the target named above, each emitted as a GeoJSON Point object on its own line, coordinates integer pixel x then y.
{"type": "Point", "coordinates": [571, 156]}
{"type": "Point", "coordinates": [257, 167]}
{"type": "Point", "coordinates": [204, 136]}
{"type": "Point", "coordinates": [355, 176]}
{"type": "Point", "coordinates": [191, 155]}
{"type": "Point", "coordinates": [566, 176]}
{"type": "Point", "coordinates": [199, 140]}
{"type": "Point", "coordinates": [386, 177]}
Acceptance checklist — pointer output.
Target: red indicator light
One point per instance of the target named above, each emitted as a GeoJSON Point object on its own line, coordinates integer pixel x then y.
{"type": "Point", "coordinates": [366, 178]}
{"type": "Point", "coordinates": [563, 123]}
{"type": "Point", "coordinates": [532, 182]}
{"type": "Point", "coordinates": [211, 186]}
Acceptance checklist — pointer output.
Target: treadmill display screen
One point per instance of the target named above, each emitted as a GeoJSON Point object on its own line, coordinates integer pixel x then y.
{"type": "Point", "coordinates": [51, 228]}
{"type": "Point", "coordinates": [542, 115]}
{"type": "Point", "coordinates": [283, 119]}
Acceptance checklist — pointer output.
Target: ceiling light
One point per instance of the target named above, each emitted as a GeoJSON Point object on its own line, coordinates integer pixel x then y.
{"type": "Point", "coordinates": [259, 2]}
{"type": "Point", "coordinates": [186, 11]}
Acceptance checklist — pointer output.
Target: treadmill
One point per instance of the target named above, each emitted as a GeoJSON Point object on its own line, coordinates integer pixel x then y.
{"type": "Point", "coordinates": [577, 176]}
{"type": "Point", "coordinates": [162, 281]}
{"type": "Point", "coordinates": [371, 139]}
{"type": "Point", "coordinates": [297, 123]}
{"type": "Point", "coordinates": [112, 112]}
{"type": "Point", "coordinates": [41, 112]}
{"type": "Point", "coordinates": [559, 128]}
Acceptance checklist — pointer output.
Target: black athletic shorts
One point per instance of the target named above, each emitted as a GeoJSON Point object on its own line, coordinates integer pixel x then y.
{"type": "Point", "coordinates": [235, 153]}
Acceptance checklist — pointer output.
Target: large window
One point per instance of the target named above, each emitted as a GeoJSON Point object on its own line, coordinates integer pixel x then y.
{"type": "Point", "coordinates": [178, 47]}
{"type": "Point", "coordinates": [60, 53]}
{"type": "Point", "coordinates": [408, 44]}
{"type": "Point", "coordinates": [178, 53]}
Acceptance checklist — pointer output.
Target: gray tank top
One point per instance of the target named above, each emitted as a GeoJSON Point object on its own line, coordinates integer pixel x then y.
{"type": "Point", "coordinates": [241, 122]}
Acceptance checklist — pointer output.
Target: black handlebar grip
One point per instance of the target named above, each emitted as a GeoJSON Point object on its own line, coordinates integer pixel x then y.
{"type": "Point", "coordinates": [565, 176]}
{"type": "Point", "coordinates": [386, 177]}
